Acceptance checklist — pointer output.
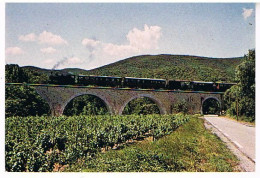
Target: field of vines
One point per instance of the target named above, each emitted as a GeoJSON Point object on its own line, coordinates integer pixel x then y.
{"type": "Point", "coordinates": [40, 144]}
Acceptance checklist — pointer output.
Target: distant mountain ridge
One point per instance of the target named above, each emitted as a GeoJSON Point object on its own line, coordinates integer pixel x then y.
{"type": "Point", "coordinates": [177, 67]}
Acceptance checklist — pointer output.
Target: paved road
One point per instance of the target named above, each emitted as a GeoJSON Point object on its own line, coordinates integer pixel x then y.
{"type": "Point", "coordinates": [241, 135]}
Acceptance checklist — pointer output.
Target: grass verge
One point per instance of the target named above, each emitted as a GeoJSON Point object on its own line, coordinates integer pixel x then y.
{"type": "Point", "coordinates": [242, 119]}
{"type": "Point", "coordinates": [191, 148]}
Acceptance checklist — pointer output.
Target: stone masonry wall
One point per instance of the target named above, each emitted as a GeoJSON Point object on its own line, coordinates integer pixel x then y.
{"type": "Point", "coordinates": [117, 99]}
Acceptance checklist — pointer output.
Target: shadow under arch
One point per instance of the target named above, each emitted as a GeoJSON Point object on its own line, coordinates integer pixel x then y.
{"type": "Point", "coordinates": [211, 98]}
{"type": "Point", "coordinates": [154, 99]}
{"type": "Point", "coordinates": [103, 99]}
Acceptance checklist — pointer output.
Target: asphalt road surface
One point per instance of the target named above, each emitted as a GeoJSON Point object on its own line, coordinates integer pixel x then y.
{"type": "Point", "coordinates": [241, 135]}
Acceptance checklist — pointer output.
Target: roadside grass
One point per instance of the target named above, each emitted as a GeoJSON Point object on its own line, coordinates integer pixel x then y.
{"type": "Point", "coordinates": [242, 119]}
{"type": "Point", "coordinates": [191, 148]}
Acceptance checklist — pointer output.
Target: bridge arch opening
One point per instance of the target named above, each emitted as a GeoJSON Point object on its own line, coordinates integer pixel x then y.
{"type": "Point", "coordinates": [142, 104]}
{"type": "Point", "coordinates": [211, 105]}
{"type": "Point", "coordinates": [86, 104]}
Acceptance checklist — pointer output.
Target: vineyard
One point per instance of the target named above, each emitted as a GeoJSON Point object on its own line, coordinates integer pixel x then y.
{"type": "Point", "coordinates": [42, 144]}
{"type": "Point", "coordinates": [46, 144]}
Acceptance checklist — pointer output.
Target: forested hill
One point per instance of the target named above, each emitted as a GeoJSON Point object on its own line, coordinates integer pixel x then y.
{"type": "Point", "coordinates": [180, 67]}
{"type": "Point", "coordinates": [173, 67]}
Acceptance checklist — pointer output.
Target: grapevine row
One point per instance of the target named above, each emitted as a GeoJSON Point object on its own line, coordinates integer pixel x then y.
{"type": "Point", "coordinates": [39, 143]}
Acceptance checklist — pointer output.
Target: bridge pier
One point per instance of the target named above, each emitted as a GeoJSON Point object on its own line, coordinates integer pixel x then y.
{"type": "Point", "coordinates": [56, 109]}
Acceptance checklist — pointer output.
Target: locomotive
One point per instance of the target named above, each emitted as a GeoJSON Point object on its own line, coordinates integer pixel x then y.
{"type": "Point", "coordinates": [132, 82]}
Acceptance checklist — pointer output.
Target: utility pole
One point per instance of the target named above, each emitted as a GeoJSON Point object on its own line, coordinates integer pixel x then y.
{"type": "Point", "coordinates": [237, 106]}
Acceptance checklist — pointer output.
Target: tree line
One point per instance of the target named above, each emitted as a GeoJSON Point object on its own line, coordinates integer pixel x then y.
{"type": "Point", "coordinates": [240, 99]}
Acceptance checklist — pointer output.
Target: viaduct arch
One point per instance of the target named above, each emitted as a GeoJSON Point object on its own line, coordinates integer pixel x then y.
{"type": "Point", "coordinates": [116, 99]}
{"type": "Point", "coordinates": [154, 99]}
{"type": "Point", "coordinates": [109, 109]}
{"type": "Point", "coordinates": [211, 97]}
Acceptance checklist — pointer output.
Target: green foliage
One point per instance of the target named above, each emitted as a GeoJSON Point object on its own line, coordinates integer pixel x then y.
{"type": "Point", "coordinates": [245, 75]}
{"type": "Point", "coordinates": [190, 148]}
{"type": "Point", "coordinates": [242, 95]}
{"type": "Point", "coordinates": [23, 100]}
{"type": "Point", "coordinates": [211, 106]}
{"type": "Point", "coordinates": [141, 105]}
{"type": "Point", "coordinates": [92, 105]}
{"type": "Point", "coordinates": [35, 77]}
{"type": "Point", "coordinates": [180, 107]}
{"type": "Point", "coordinates": [134, 159]}
{"type": "Point", "coordinates": [14, 74]}
{"type": "Point", "coordinates": [40, 143]}
{"type": "Point", "coordinates": [172, 67]}
{"type": "Point", "coordinates": [86, 105]}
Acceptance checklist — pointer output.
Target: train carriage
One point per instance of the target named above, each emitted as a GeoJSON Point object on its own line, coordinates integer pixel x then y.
{"type": "Point", "coordinates": [66, 78]}
{"type": "Point", "coordinates": [203, 86]}
{"type": "Point", "coordinates": [105, 81]}
{"type": "Point", "coordinates": [178, 85]}
{"type": "Point", "coordinates": [211, 86]}
{"type": "Point", "coordinates": [222, 87]}
{"type": "Point", "coordinates": [83, 80]}
{"type": "Point", "coordinates": [144, 83]}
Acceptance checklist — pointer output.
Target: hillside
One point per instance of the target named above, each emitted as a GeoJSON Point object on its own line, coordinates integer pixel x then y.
{"type": "Point", "coordinates": [180, 67]}
{"type": "Point", "coordinates": [172, 67]}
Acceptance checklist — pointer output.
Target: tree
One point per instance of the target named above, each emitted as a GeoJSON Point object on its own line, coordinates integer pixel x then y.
{"type": "Point", "coordinates": [244, 92]}
{"type": "Point", "coordinates": [85, 105]}
{"type": "Point", "coordinates": [141, 105]}
{"type": "Point", "coordinates": [23, 100]}
{"type": "Point", "coordinates": [14, 74]}
{"type": "Point", "coordinates": [180, 107]}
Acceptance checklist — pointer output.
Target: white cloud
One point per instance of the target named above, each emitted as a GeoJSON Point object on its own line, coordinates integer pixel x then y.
{"type": "Point", "coordinates": [91, 45]}
{"type": "Point", "coordinates": [138, 42]}
{"type": "Point", "coordinates": [14, 51]}
{"type": "Point", "coordinates": [74, 60]}
{"type": "Point", "coordinates": [50, 38]}
{"type": "Point", "coordinates": [118, 50]}
{"type": "Point", "coordinates": [247, 13]}
{"type": "Point", "coordinates": [28, 37]}
{"type": "Point", "coordinates": [48, 61]}
{"type": "Point", "coordinates": [146, 39]}
{"type": "Point", "coordinates": [90, 42]}
{"type": "Point", "coordinates": [48, 50]}
{"type": "Point", "coordinates": [44, 38]}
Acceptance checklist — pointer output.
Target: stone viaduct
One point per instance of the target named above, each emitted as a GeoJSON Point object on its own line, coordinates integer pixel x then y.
{"type": "Point", "coordinates": [116, 99]}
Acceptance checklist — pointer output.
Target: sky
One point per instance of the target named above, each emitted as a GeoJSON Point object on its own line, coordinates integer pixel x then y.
{"type": "Point", "coordinates": [90, 35]}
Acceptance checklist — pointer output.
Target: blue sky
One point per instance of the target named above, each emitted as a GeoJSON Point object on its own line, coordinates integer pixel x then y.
{"type": "Point", "coordinates": [91, 35]}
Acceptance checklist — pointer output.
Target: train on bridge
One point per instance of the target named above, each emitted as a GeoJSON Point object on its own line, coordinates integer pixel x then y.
{"type": "Point", "coordinates": [131, 82]}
